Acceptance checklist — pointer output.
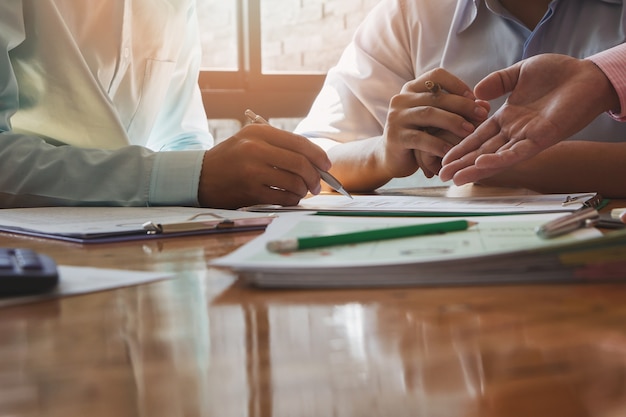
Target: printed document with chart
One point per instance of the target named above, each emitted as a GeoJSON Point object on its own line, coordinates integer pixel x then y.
{"type": "Point", "coordinates": [496, 249]}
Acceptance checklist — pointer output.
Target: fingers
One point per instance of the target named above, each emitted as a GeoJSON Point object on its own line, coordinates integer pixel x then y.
{"type": "Point", "coordinates": [429, 117]}
{"type": "Point", "coordinates": [495, 155]}
{"type": "Point", "coordinates": [461, 164]}
{"type": "Point", "coordinates": [249, 194]}
{"type": "Point", "coordinates": [261, 165]}
{"type": "Point", "coordinates": [498, 83]}
{"type": "Point", "coordinates": [446, 81]}
{"type": "Point", "coordinates": [288, 141]}
{"type": "Point", "coordinates": [509, 154]}
{"type": "Point", "coordinates": [455, 114]}
{"type": "Point", "coordinates": [485, 139]}
{"type": "Point", "coordinates": [429, 163]}
{"type": "Point", "coordinates": [426, 119]}
{"type": "Point", "coordinates": [289, 161]}
{"type": "Point", "coordinates": [472, 174]}
{"type": "Point", "coordinates": [441, 108]}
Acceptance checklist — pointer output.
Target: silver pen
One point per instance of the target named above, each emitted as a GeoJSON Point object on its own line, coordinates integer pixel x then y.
{"type": "Point", "coordinates": [326, 176]}
{"type": "Point", "coordinates": [585, 217]}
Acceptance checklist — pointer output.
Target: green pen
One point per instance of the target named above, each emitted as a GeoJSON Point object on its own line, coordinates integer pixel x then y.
{"type": "Point", "coordinates": [295, 244]}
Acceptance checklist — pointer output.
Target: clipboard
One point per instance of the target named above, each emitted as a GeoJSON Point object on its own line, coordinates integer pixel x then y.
{"type": "Point", "coordinates": [115, 224]}
{"type": "Point", "coordinates": [199, 223]}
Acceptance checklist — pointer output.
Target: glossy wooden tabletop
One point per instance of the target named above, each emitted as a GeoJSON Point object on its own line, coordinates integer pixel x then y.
{"type": "Point", "coordinates": [204, 344]}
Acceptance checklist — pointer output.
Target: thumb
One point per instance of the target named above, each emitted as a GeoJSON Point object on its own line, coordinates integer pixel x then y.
{"type": "Point", "coordinates": [498, 83]}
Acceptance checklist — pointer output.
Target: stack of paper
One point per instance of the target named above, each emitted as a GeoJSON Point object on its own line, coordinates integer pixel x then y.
{"type": "Point", "coordinates": [499, 249]}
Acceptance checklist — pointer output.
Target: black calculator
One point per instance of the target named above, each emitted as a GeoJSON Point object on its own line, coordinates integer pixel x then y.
{"type": "Point", "coordinates": [25, 271]}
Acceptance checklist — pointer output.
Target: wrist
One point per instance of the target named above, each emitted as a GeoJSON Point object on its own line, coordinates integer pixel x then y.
{"type": "Point", "coordinates": [206, 186]}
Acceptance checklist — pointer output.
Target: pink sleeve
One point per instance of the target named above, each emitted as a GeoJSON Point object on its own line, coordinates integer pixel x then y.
{"type": "Point", "coordinates": [613, 63]}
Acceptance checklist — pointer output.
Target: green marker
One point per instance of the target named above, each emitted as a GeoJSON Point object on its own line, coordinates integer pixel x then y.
{"type": "Point", "coordinates": [291, 245]}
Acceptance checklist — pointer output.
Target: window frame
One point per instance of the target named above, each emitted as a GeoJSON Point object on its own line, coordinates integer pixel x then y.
{"type": "Point", "coordinates": [226, 94]}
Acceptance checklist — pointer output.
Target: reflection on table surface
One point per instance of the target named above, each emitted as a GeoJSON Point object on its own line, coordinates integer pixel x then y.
{"type": "Point", "coordinates": [204, 344]}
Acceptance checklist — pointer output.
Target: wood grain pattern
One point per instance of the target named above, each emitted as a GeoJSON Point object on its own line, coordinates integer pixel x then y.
{"type": "Point", "coordinates": [203, 344]}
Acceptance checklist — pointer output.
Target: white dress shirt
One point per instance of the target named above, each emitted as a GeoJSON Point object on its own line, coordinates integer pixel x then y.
{"type": "Point", "coordinates": [117, 82]}
{"type": "Point", "coordinates": [401, 39]}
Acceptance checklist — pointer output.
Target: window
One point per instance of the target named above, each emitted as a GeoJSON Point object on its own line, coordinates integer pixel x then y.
{"type": "Point", "coordinates": [271, 55]}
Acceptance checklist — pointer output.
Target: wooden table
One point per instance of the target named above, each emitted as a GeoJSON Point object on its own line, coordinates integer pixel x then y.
{"type": "Point", "coordinates": [203, 344]}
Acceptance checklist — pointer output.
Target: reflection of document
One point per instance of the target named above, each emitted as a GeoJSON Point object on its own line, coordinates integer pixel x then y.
{"type": "Point", "coordinates": [403, 205]}
{"type": "Point", "coordinates": [491, 251]}
{"type": "Point", "coordinates": [98, 224]}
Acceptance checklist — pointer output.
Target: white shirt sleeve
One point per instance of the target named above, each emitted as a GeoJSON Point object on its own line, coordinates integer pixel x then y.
{"type": "Point", "coordinates": [354, 100]}
{"type": "Point", "coordinates": [42, 171]}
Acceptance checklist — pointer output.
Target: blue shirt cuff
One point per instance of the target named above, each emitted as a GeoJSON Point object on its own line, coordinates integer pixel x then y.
{"type": "Point", "coordinates": [175, 178]}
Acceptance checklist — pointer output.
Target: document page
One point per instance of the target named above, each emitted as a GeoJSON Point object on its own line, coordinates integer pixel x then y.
{"type": "Point", "coordinates": [434, 205]}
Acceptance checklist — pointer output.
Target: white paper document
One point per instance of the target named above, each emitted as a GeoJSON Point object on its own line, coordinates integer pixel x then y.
{"type": "Point", "coordinates": [415, 205]}
{"type": "Point", "coordinates": [493, 250]}
{"type": "Point", "coordinates": [74, 280]}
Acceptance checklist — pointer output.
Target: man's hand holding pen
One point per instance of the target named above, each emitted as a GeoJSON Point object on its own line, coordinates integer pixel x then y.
{"type": "Point", "coordinates": [325, 175]}
{"type": "Point", "coordinates": [426, 119]}
{"type": "Point", "coordinates": [279, 167]}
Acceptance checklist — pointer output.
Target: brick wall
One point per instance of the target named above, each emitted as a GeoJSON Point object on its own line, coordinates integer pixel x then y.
{"type": "Point", "coordinates": [297, 36]}
{"type": "Point", "coordinates": [308, 34]}
{"type": "Point", "coordinates": [218, 30]}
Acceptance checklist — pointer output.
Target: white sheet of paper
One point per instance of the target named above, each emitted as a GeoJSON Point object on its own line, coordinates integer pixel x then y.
{"type": "Point", "coordinates": [433, 205]}
{"type": "Point", "coordinates": [74, 280]}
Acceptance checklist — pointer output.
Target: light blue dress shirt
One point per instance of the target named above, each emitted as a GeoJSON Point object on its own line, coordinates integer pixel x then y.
{"type": "Point", "coordinates": [401, 39]}
{"type": "Point", "coordinates": [99, 103]}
